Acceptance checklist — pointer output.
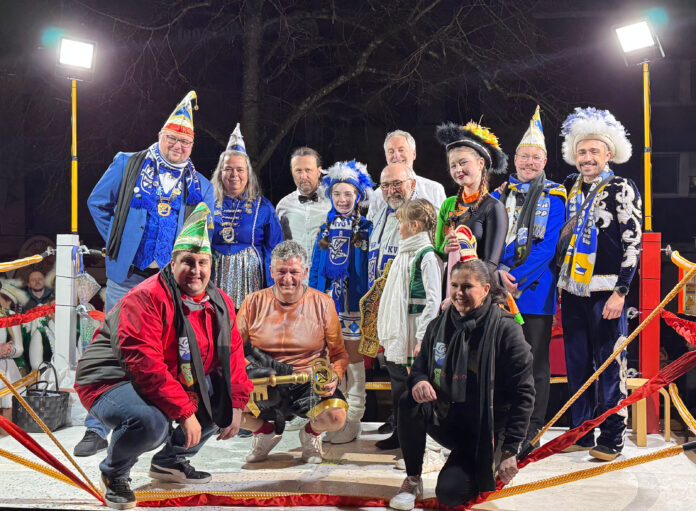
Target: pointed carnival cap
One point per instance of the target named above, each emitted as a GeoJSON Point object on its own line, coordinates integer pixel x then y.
{"type": "Point", "coordinates": [236, 141]}
{"type": "Point", "coordinates": [534, 136]}
{"type": "Point", "coordinates": [194, 235]}
{"type": "Point", "coordinates": [592, 124]}
{"type": "Point", "coordinates": [12, 289]}
{"type": "Point", "coordinates": [352, 172]}
{"type": "Point", "coordinates": [480, 139]}
{"type": "Point", "coordinates": [181, 119]}
{"type": "Point", "coordinates": [467, 243]}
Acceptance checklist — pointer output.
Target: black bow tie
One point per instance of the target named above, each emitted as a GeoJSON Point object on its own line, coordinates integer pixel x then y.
{"type": "Point", "coordinates": [312, 198]}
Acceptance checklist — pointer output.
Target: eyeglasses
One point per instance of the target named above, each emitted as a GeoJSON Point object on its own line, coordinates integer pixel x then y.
{"type": "Point", "coordinates": [173, 140]}
{"type": "Point", "coordinates": [394, 184]}
{"type": "Point", "coordinates": [526, 157]}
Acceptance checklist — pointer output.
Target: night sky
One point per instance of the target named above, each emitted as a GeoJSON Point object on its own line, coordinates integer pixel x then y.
{"type": "Point", "coordinates": [506, 57]}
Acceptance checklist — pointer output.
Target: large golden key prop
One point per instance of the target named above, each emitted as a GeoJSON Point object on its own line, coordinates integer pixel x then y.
{"type": "Point", "coordinates": [322, 375]}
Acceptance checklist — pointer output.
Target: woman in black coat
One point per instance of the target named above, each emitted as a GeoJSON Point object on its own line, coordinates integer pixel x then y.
{"type": "Point", "coordinates": [471, 389]}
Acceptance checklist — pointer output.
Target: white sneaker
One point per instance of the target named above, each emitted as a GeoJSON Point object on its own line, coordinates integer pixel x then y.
{"type": "Point", "coordinates": [433, 461]}
{"type": "Point", "coordinates": [296, 424]}
{"type": "Point", "coordinates": [311, 447]}
{"type": "Point", "coordinates": [261, 445]}
{"type": "Point", "coordinates": [410, 490]}
{"type": "Point", "coordinates": [347, 433]}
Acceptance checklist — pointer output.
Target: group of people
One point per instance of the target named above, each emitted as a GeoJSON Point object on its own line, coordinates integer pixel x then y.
{"type": "Point", "coordinates": [209, 285]}
{"type": "Point", "coordinates": [24, 347]}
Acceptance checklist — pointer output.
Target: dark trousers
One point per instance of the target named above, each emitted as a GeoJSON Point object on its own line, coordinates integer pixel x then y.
{"type": "Point", "coordinates": [456, 482]}
{"type": "Point", "coordinates": [139, 427]}
{"type": "Point", "coordinates": [398, 374]}
{"type": "Point", "coordinates": [537, 332]}
{"type": "Point", "coordinates": [589, 340]}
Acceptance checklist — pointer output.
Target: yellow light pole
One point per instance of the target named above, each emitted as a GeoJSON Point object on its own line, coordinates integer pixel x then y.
{"type": "Point", "coordinates": [647, 155]}
{"type": "Point", "coordinates": [73, 164]}
{"type": "Point", "coordinates": [75, 59]}
{"type": "Point", "coordinates": [641, 45]}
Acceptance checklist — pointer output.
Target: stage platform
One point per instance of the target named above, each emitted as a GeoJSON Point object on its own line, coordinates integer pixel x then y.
{"type": "Point", "coordinates": [359, 469]}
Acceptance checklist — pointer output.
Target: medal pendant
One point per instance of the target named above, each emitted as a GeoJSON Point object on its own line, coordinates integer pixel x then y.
{"type": "Point", "coordinates": [163, 209]}
{"type": "Point", "coordinates": [228, 234]}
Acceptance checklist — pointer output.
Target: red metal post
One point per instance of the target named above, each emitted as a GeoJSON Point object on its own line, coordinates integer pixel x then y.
{"type": "Point", "coordinates": [650, 336]}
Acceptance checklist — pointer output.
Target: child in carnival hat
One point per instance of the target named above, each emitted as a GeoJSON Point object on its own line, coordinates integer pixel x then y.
{"type": "Point", "coordinates": [339, 268]}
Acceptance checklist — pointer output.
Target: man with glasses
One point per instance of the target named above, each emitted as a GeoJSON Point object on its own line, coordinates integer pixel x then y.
{"type": "Point", "coordinates": [536, 213]}
{"type": "Point", "coordinates": [139, 206]}
{"type": "Point", "coordinates": [400, 147]}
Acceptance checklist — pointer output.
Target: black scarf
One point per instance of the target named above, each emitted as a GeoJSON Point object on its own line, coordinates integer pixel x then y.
{"type": "Point", "coordinates": [526, 218]}
{"type": "Point", "coordinates": [455, 333]}
{"type": "Point", "coordinates": [490, 315]}
{"type": "Point", "coordinates": [220, 411]}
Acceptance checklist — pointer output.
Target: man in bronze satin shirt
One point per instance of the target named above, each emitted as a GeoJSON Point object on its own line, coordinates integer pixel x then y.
{"type": "Point", "coordinates": [295, 324]}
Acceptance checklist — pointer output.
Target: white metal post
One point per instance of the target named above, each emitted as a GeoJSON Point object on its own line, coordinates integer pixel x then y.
{"type": "Point", "coordinates": [64, 357]}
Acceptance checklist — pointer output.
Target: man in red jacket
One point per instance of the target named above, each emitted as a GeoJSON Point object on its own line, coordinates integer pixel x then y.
{"type": "Point", "coordinates": [168, 351]}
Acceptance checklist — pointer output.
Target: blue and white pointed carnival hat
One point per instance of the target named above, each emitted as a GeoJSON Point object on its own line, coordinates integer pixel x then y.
{"type": "Point", "coordinates": [534, 136]}
{"type": "Point", "coordinates": [181, 119]}
{"type": "Point", "coordinates": [592, 124]}
{"type": "Point", "coordinates": [236, 141]}
{"type": "Point", "coordinates": [352, 172]}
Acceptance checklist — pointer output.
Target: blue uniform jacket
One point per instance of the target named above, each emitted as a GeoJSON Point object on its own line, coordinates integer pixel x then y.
{"type": "Point", "coordinates": [357, 268]}
{"type": "Point", "coordinates": [267, 232]}
{"type": "Point", "coordinates": [536, 277]}
{"type": "Point", "coordinates": [102, 203]}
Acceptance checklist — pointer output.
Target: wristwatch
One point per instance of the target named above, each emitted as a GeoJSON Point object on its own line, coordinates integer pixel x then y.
{"type": "Point", "coordinates": [621, 290]}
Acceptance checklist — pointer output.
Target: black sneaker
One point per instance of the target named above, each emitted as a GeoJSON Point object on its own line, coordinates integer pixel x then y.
{"type": "Point", "coordinates": [604, 452]}
{"type": "Point", "coordinates": [117, 492]}
{"type": "Point", "coordinates": [90, 444]}
{"type": "Point", "coordinates": [387, 427]}
{"type": "Point", "coordinates": [179, 472]}
{"type": "Point", "coordinates": [388, 443]}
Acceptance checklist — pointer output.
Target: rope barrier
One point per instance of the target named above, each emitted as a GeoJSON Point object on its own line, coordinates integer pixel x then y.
{"type": "Point", "coordinates": [675, 290]}
{"type": "Point", "coordinates": [43, 426]}
{"type": "Point", "coordinates": [27, 317]}
{"type": "Point", "coordinates": [26, 261]}
{"type": "Point", "coordinates": [36, 466]}
{"type": "Point", "coordinates": [590, 472]}
{"type": "Point", "coordinates": [20, 384]}
{"type": "Point", "coordinates": [681, 408]}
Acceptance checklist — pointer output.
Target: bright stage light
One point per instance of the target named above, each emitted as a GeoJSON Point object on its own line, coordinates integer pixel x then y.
{"type": "Point", "coordinates": [635, 36]}
{"type": "Point", "coordinates": [74, 53]}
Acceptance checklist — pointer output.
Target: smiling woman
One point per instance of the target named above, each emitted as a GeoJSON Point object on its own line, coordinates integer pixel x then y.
{"type": "Point", "coordinates": [472, 153]}
{"type": "Point", "coordinates": [246, 225]}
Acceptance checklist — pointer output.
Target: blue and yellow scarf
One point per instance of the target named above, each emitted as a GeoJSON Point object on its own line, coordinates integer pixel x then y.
{"type": "Point", "coordinates": [578, 264]}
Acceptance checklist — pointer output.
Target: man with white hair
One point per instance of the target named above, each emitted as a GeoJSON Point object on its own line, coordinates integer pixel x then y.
{"type": "Point", "coordinates": [603, 235]}
{"type": "Point", "coordinates": [400, 147]}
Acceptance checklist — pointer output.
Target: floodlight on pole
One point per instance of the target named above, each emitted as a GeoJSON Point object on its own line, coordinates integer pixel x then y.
{"type": "Point", "coordinates": [76, 62]}
{"type": "Point", "coordinates": [641, 45]}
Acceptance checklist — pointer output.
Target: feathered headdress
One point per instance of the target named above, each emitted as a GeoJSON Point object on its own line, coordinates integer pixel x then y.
{"type": "Point", "coordinates": [592, 124]}
{"type": "Point", "coordinates": [352, 172]}
{"type": "Point", "coordinates": [480, 139]}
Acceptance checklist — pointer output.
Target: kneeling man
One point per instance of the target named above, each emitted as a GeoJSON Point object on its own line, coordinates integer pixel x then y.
{"type": "Point", "coordinates": [294, 325]}
{"type": "Point", "coordinates": [168, 351]}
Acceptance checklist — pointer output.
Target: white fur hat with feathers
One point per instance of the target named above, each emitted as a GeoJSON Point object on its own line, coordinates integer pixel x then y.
{"type": "Point", "coordinates": [592, 124]}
